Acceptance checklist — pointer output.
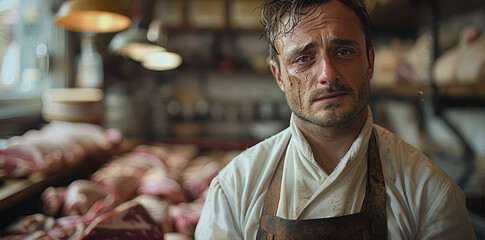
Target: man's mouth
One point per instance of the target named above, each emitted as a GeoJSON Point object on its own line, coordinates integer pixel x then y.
{"type": "Point", "coordinates": [330, 97]}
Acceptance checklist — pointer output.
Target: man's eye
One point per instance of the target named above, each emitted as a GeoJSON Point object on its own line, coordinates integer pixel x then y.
{"type": "Point", "coordinates": [344, 52]}
{"type": "Point", "coordinates": [302, 59]}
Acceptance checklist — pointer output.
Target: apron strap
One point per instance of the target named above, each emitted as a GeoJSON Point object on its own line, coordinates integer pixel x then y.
{"type": "Point", "coordinates": [271, 205]}
{"type": "Point", "coordinates": [376, 191]}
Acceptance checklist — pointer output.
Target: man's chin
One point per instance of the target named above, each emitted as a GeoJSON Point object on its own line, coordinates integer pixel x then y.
{"type": "Point", "coordinates": [328, 118]}
{"type": "Point", "coordinates": [322, 120]}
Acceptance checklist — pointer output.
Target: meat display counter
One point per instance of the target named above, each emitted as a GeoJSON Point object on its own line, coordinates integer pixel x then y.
{"type": "Point", "coordinates": [20, 196]}
{"type": "Point", "coordinates": [163, 185]}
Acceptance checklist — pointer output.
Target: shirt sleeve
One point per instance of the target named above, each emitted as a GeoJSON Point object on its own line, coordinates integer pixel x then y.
{"type": "Point", "coordinates": [447, 216]}
{"type": "Point", "coordinates": [217, 220]}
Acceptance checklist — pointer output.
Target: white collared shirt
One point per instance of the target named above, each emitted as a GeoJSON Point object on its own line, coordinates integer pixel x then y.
{"type": "Point", "coordinates": [423, 202]}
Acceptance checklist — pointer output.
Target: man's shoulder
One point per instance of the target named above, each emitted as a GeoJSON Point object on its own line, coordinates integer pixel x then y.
{"type": "Point", "coordinates": [391, 143]}
{"type": "Point", "coordinates": [403, 159]}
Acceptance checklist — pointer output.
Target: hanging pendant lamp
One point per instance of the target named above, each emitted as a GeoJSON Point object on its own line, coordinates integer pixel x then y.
{"type": "Point", "coordinates": [133, 43]}
{"type": "Point", "coordinates": [161, 61]}
{"type": "Point", "coordinates": [144, 45]}
{"type": "Point", "coordinates": [97, 16]}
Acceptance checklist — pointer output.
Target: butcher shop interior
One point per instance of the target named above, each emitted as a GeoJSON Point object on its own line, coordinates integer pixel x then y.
{"type": "Point", "coordinates": [136, 110]}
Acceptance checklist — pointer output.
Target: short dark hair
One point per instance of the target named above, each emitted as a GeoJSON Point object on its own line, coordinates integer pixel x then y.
{"type": "Point", "coordinates": [273, 14]}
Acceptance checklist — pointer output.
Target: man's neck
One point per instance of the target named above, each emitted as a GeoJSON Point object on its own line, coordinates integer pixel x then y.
{"type": "Point", "coordinates": [329, 145]}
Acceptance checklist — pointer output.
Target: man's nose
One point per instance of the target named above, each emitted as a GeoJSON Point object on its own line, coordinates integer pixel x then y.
{"type": "Point", "coordinates": [328, 72]}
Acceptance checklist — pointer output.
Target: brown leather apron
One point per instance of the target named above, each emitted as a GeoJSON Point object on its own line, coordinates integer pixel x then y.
{"type": "Point", "coordinates": [370, 223]}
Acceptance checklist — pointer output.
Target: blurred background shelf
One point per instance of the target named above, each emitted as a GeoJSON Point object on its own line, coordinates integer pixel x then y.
{"type": "Point", "coordinates": [455, 95]}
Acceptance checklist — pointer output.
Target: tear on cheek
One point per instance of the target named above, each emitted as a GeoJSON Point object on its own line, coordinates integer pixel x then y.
{"type": "Point", "coordinates": [294, 80]}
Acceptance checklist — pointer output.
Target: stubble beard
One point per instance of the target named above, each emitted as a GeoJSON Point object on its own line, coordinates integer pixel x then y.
{"type": "Point", "coordinates": [336, 117]}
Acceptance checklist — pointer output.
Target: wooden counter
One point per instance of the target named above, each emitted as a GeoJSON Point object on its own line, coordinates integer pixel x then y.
{"type": "Point", "coordinates": [21, 196]}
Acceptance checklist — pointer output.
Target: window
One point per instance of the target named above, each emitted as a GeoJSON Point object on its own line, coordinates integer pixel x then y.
{"type": "Point", "coordinates": [29, 41]}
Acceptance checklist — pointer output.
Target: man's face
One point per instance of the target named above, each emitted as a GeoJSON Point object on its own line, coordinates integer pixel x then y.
{"type": "Point", "coordinates": [324, 69]}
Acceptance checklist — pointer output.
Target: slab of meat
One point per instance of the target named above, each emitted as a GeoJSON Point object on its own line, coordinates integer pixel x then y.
{"type": "Point", "coordinates": [52, 200]}
{"type": "Point", "coordinates": [92, 137]}
{"type": "Point", "coordinates": [158, 210]}
{"type": "Point", "coordinates": [127, 221]}
{"type": "Point", "coordinates": [186, 216]}
{"type": "Point", "coordinates": [121, 181]}
{"type": "Point", "coordinates": [174, 166]}
{"type": "Point", "coordinates": [161, 153]}
{"type": "Point", "coordinates": [30, 224]}
{"type": "Point", "coordinates": [55, 146]}
{"type": "Point", "coordinates": [65, 228]}
{"type": "Point", "coordinates": [140, 160]}
{"type": "Point", "coordinates": [46, 156]}
{"type": "Point", "coordinates": [121, 176]}
{"type": "Point", "coordinates": [81, 195]}
{"type": "Point", "coordinates": [73, 232]}
{"type": "Point", "coordinates": [72, 151]}
{"type": "Point", "coordinates": [157, 182]}
{"type": "Point", "coordinates": [62, 147]}
{"type": "Point", "coordinates": [199, 173]}
{"type": "Point", "coordinates": [14, 167]}
{"type": "Point", "coordinates": [175, 157]}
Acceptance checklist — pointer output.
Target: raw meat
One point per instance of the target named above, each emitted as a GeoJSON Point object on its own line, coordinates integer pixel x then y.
{"type": "Point", "coordinates": [186, 216]}
{"type": "Point", "coordinates": [197, 176]}
{"type": "Point", "coordinates": [52, 200]}
{"type": "Point", "coordinates": [89, 135]}
{"type": "Point", "coordinates": [127, 221]}
{"type": "Point", "coordinates": [157, 182]}
{"type": "Point", "coordinates": [119, 180]}
{"type": "Point", "coordinates": [80, 196]}
{"type": "Point", "coordinates": [30, 224]}
{"type": "Point", "coordinates": [15, 167]}
{"type": "Point", "coordinates": [158, 210]}
{"type": "Point", "coordinates": [45, 155]}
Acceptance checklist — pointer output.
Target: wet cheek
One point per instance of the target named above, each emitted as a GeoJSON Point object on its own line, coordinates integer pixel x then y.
{"type": "Point", "coordinates": [292, 81]}
{"type": "Point", "coordinates": [296, 90]}
{"type": "Point", "coordinates": [300, 81]}
{"type": "Point", "coordinates": [297, 80]}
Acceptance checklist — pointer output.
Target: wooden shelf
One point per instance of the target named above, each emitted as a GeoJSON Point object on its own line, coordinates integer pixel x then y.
{"type": "Point", "coordinates": [404, 17]}
{"type": "Point", "coordinates": [13, 191]}
{"type": "Point", "coordinates": [456, 95]}
{"type": "Point", "coordinates": [472, 91]}
{"type": "Point", "coordinates": [401, 91]}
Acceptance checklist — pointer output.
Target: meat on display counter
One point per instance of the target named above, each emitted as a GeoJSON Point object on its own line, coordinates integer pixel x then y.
{"type": "Point", "coordinates": [158, 185]}
{"type": "Point", "coordinates": [20, 195]}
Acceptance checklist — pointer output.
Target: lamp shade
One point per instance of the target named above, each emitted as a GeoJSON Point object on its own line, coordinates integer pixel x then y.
{"type": "Point", "coordinates": [161, 61]}
{"type": "Point", "coordinates": [97, 16]}
{"type": "Point", "coordinates": [133, 43]}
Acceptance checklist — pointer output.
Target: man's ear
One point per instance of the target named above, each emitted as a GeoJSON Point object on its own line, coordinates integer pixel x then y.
{"type": "Point", "coordinates": [275, 70]}
{"type": "Point", "coordinates": [371, 58]}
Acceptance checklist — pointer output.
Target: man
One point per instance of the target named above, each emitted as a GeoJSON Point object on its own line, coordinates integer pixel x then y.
{"type": "Point", "coordinates": [333, 173]}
